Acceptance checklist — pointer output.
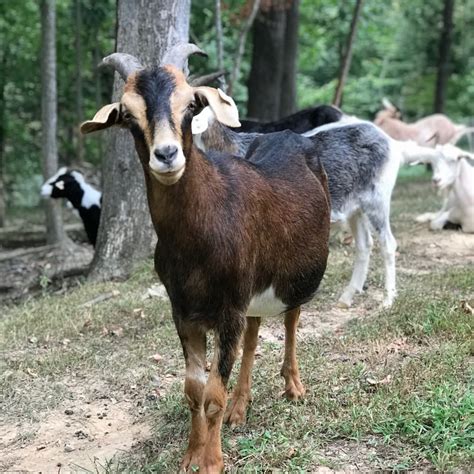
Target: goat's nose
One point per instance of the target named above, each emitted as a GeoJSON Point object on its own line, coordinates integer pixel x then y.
{"type": "Point", "coordinates": [166, 153]}
{"type": "Point", "coordinates": [436, 181]}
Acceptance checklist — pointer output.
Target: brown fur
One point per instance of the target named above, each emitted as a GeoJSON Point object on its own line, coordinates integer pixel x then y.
{"type": "Point", "coordinates": [228, 229]}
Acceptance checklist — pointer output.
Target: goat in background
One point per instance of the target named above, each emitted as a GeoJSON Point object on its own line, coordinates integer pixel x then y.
{"type": "Point", "coordinates": [84, 198]}
{"type": "Point", "coordinates": [428, 131]}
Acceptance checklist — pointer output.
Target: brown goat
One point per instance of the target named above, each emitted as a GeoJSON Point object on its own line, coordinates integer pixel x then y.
{"type": "Point", "coordinates": [237, 239]}
{"type": "Point", "coordinates": [428, 131]}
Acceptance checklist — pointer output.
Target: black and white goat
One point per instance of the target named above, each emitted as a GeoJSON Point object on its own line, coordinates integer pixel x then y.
{"type": "Point", "coordinates": [235, 237]}
{"type": "Point", "coordinates": [361, 162]}
{"type": "Point", "coordinates": [299, 122]}
{"type": "Point", "coordinates": [86, 200]}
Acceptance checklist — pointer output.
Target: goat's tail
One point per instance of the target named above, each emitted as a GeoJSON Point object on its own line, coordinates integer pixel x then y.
{"type": "Point", "coordinates": [462, 130]}
{"type": "Point", "coordinates": [411, 153]}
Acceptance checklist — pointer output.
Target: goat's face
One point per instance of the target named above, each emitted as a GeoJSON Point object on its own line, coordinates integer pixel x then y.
{"type": "Point", "coordinates": [445, 165]}
{"type": "Point", "coordinates": [158, 106]}
{"type": "Point", "coordinates": [61, 184]}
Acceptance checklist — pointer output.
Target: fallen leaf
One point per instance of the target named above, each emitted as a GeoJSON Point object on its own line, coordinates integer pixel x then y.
{"type": "Point", "coordinates": [383, 381]}
{"type": "Point", "coordinates": [467, 307]}
{"type": "Point", "coordinates": [156, 357]}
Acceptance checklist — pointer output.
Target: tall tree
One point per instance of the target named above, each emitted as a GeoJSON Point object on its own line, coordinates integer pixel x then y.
{"type": "Point", "coordinates": [290, 55]}
{"type": "Point", "coordinates": [54, 223]}
{"type": "Point", "coordinates": [444, 56]}
{"type": "Point", "coordinates": [347, 58]}
{"type": "Point", "coordinates": [78, 76]}
{"type": "Point", "coordinates": [3, 118]}
{"type": "Point", "coordinates": [145, 29]}
{"type": "Point", "coordinates": [273, 69]}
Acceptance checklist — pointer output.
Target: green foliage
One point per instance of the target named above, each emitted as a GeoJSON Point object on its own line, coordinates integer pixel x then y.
{"type": "Point", "coordinates": [395, 55]}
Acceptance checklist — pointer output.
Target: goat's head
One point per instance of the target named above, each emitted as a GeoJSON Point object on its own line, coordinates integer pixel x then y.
{"type": "Point", "coordinates": [389, 111]}
{"type": "Point", "coordinates": [62, 183]}
{"type": "Point", "coordinates": [446, 164]}
{"type": "Point", "coordinates": [158, 106]}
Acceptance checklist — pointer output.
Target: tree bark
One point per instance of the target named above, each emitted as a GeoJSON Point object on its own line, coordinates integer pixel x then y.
{"type": "Point", "coordinates": [266, 73]}
{"type": "Point", "coordinates": [346, 62]}
{"type": "Point", "coordinates": [145, 28]}
{"type": "Point", "coordinates": [290, 56]}
{"type": "Point", "coordinates": [444, 56]}
{"type": "Point", "coordinates": [4, 61]}
{"type": "Point", "coordinates": [54, 222]}
{"type": "Point", "coordinates": [78, 74]}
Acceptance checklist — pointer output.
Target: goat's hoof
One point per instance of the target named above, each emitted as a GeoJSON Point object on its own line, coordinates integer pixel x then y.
{"type": "Point", "coordinates": [343, 304]}
{"type": "Point", "coordinates": [388, 302]}
{"type": "Point", "coordinates": [235, 414]}
{"type": "Point", "coordinates": [294, 391]}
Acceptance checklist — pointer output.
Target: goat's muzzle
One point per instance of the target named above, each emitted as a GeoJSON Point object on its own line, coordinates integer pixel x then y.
{"type": "Point", "coordinates": [167, 163]}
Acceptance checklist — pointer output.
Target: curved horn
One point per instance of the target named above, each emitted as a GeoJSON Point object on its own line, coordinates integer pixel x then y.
{"type": "Point", "coordinates": [206, 79]}
{"type": "Point", "coordinates": [178, 54]}
{"type": "Point", "coordinates": [125, 64]}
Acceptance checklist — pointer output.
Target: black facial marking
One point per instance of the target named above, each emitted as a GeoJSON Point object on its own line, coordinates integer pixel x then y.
{"type": "Point", "coordinates": [156, 86]}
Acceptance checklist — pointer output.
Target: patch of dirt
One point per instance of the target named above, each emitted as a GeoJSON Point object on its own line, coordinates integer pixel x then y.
{"type": "Point", "coordinates": [428, 249]}
{"type": "Point", "coordinates": [83, 436]}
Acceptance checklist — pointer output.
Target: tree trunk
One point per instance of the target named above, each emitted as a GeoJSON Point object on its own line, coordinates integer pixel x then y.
{"type": "Point", "coordinates": [346, 62]}
{"type": "Point", "coordinates": [54, 222]}
{"type": "Point", "coordinates": [444, 56]}
{"type": "Point", "coordinates": [145, 29]}
{"type": "Point", "coordinates": [265, 79]}
{"type": "Point", "coordinates": [78, 78]}
{"type": "Point", "coordinates": [290, 55]}
{"type": "Point", "coordinates": [4, 56]}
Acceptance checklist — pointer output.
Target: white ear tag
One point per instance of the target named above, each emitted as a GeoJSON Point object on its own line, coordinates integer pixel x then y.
{"type": "Point", "coordinates": [200, 122]}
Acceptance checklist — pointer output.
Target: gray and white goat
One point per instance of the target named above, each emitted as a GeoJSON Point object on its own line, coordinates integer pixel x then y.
{"type": "Point", "coordinates": [362, 163]}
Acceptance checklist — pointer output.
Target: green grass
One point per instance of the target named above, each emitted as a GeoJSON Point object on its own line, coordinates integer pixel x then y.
{"type": "Point", "coordinates": [392, 391]}
{"type": "Point", "coordinates": [422, 417]}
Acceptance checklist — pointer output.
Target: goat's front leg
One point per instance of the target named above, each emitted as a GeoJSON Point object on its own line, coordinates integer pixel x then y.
{"type": "Point", "coordinates": [193, 340]}
{"type": "Point", "coordinates": [237, 409]}
{"type": "Point", "coordinates": [294, 389]}
{"type": "Point", "coordinates": [215, 394]}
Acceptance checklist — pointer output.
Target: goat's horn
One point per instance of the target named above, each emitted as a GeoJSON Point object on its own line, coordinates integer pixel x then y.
{"type": "Point", "coordinates": [178, 54]}
{"type": "Point", "coordinates": [125, 64]}
{"type": "Point", "coordinates": [206, 79]}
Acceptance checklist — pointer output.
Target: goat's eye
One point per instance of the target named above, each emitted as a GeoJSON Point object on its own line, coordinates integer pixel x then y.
{"type": "Point", "coordinates": [127, 116]}
{"type": "Point", "coordinates": [192, 106]}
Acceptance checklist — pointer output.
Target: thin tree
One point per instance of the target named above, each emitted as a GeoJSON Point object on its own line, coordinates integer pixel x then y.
{"type": "Point", "coordinates": [78, 78]}
{"type": "Point", "coordinates": [347, 58]}
{"type": "Point", "coordinates": [247, 24]}
{"type": "Point", "coordinates": [146, 29]}
{"type": "Point", "coordinates": [445, 42]}
{"type": "Point", "coordinates": [220, 45]}
{"type": "Point", "coordinates": [3, 119]}
{"type": "Point", "coordinates": [54, 223]}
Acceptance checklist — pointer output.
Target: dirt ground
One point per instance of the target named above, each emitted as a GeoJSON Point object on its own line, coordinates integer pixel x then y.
{"type": "Point", "coordinates": [91, 429]}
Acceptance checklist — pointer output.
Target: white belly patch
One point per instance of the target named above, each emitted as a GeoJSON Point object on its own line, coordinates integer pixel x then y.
{"type": "Point", "coordinates": [265, 304]}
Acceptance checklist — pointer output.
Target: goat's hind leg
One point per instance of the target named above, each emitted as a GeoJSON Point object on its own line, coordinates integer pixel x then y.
{"type": "Point", "coordinates": [363, 245]}
{"type": "Point", "coordinates": [388, 247]}
{"type": "Point", "coordinates": [237, 409]}
{"type": "Point", "coordinates": [294, 389]}
{"type": "Point", "coordinates": [193, 340]}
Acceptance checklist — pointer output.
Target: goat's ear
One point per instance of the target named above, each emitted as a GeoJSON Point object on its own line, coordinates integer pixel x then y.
{"type": "Point", "coordinates": [107, 116]}
{"type": "Point", "coordinates": [222, 105]}
{"type": "Point", "coordinates": [388, 105]}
